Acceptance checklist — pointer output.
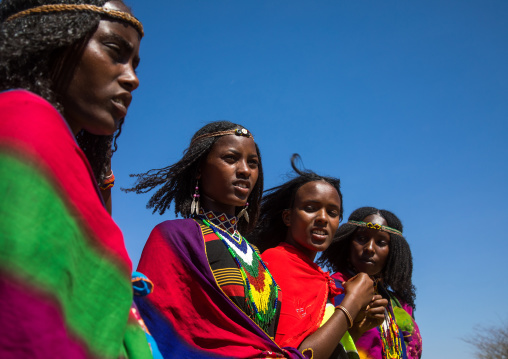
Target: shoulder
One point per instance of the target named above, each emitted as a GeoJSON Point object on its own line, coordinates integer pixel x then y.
{"type": "Point", "coordinates": [176, 228]}
{"type": "Point", "coordinates": [400, 303]}
{"type": "Point", "coordinates": [276, 253]}
{"type": "Point", "coordinates": [177, 223]}
{"type": "Point", "coordinates": [31, 120]}
{"type": "Point", "coordinates": [176, 235]}
{"type": "Point", "coordinates": [182, 235]}
{"type": "Point", "coordinates": [22, 102]}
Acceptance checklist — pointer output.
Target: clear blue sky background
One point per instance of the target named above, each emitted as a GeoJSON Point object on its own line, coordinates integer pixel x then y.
{"type": "Point", "coordinates": [405, 101]}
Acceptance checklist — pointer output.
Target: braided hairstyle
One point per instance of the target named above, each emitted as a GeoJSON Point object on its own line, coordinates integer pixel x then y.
{"type": "Point", "coordinates": [271, 229]}
{"type": "Point", "coordinates": [40, 52]}
{"type": "Point", "coordinates": [398, 270]}
{"type": "Point", "coordinates": [177, 182]}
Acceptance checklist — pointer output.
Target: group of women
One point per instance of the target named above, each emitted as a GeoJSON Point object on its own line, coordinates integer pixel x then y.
{"type": "Point", "coordinates": [67, 71]}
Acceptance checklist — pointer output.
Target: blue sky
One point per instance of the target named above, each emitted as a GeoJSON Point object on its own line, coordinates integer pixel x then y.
{"type": "Point", "coordinates": [405, 101]}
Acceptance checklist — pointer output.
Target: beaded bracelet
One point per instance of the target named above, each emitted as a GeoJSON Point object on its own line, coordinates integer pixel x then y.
{"type": "Point", "coordinates": [348, 316]}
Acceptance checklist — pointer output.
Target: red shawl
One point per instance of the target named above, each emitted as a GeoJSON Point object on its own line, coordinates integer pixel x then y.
{"type": "Point", "coordinates": [188, 302]}
{"type": "Point", "coordinates": [306, 289]}
{"type": "Point", "coordinates": [65, 286]}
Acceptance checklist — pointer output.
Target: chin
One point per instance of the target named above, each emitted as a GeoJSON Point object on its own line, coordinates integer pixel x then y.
{"type": "Point", "coordinates": [103, 130]}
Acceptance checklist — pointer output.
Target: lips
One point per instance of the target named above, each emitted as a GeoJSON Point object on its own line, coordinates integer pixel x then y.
{"type": "Point", "coordinates": [320, 234]}
{"type": "Point", "coordinates": [368, 260]}
{"type": "Point", "coordinates": [242, 186]}
{"type": "Point", "coordinates": [121, 103]}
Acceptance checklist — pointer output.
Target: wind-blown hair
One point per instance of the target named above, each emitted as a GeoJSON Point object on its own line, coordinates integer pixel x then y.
{"type": "Point", "coordinates": [177, 182]}
{"type": "Point", "coordinates": [39, 53]}
{"type": "Point", "coordinates": [271, 229]}
{"type": "Point", "coordinates": [398, 271]}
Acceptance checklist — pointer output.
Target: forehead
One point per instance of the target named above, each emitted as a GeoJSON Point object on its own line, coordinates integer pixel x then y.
{"type": "Point", "coordinates": [117, 5]}
{"type": "Point", "coordinates": [235, 143]}
{"type": "Point", "coordinates": [376, 219]}
{"type": "Point", "coordinates": [318, 191]}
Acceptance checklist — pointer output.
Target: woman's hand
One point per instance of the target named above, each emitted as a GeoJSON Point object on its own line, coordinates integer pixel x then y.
{"type": "Point", "coordinates": [370, 317]}
{"type": "Point", "coordinates": [359, 291]}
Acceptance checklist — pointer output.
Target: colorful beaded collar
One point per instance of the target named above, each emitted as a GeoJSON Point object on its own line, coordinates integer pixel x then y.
{"type": "Point", "coordinates": [223, 221]}
{"type": "Point", "coordinates": [379, 227]}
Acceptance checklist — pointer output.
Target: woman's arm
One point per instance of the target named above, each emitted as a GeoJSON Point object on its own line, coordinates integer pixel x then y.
{"type": "Point", "coordinates": [359, 293]}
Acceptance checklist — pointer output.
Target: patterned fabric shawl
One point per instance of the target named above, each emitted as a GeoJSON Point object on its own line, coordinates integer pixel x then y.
{"type": "Point", "coordinates": [65, 286]}
{"type": "Point", "coordinates": [369, 345]}
{"type": "Point", "coordinates": [305, 289]}
{"type": "Point", "coordinates": [188, 301]}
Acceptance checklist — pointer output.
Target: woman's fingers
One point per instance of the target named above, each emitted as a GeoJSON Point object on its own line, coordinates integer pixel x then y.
{"type": "Point", "coordinates": [378, 302]}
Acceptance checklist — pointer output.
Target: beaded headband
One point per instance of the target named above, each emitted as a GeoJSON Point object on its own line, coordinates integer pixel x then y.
{"type": "Point", "coordinates": [376, 226]}
{"type": "Point", "coordinates": [238, 132]}
{"type": "Point", "coordinates": [115, 14]}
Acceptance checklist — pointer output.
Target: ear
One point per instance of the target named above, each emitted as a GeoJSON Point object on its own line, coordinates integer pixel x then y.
{"type": "Point", "coordinates": [286, 217]}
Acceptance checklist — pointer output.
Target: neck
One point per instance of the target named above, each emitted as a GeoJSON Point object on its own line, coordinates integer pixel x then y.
{"type": "Point", "coordinates": [217, 207]}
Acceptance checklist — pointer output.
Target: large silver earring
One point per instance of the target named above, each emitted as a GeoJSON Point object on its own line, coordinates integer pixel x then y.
{"type": "Point", "coordinates": [244, 213]}
{"type": "Point", "coordinates": [194, 208]}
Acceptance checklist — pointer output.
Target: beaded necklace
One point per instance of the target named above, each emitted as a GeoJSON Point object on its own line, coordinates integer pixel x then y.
{"type": "Point", "coordinates": [389, 331]}
{"type": "Point", "coordinates": [261, 289]}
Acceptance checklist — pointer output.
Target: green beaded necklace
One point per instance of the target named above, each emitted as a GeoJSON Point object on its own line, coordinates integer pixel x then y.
{"type": "Point", "coordinates": [262, 318]}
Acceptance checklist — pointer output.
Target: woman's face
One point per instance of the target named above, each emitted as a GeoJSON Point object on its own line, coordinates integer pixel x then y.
{"type": "Point", "coordinates": [99, 92]}
{"type": "Point", "coordinates": [229, 174]}
{"type": "Point", "coordinates": [314, 218]}
{"type": "Point", "coordinates": [370, 247]}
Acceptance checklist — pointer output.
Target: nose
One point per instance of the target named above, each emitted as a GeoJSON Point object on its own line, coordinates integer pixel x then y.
{"type": "Point", "coordinates": [129, 80]}
{"type": "Point", "coordinates": [322, 216]}
{"type": "Point", "coordinates": [243, 170]}
{"type": "Point", "coordinates": [369, 247]}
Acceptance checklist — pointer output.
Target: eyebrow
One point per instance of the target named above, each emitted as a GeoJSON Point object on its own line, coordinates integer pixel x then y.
{"type": "Point", "coordinates": [236, 152]}
{"type": "Point", "coordinates": [312, 201]}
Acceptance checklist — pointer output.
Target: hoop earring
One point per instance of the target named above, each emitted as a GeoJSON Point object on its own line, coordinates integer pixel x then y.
{"type": "Point", "coordinates": [194, 208]}
{"type": "Point", "coordinates": [244, 213]}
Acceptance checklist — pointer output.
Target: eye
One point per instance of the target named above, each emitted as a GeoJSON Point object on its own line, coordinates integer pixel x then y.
{"type": "Point", "coordinates": [119, 52]}
{"type": "Point", "coordinates": [309, 208]}
{"type": "Point", "coordinates": [360, 239]}
{"type": "Point", "coordinates": [115, 49]}
{"type": "Point", "coordinates": [382, 243]}
{"type": "Point", "coordinates": [253, 163]}
{"type": "Point", "coordinates": [333, 213]}
{"type": "Point", "coordinates": [229, 158]}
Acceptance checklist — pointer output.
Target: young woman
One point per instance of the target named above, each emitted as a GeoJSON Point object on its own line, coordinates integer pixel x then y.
{"type": "Point", "coordinates": [298, 220]}
{"type": "Point", "coordinates": [371, 242]}
{"type": "Point", "coordinates": [66, 68]}
{"type": "Point", "coordinates": [210, 283]}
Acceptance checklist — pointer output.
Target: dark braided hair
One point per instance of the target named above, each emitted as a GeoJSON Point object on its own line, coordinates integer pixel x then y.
{"type": "Point", "coordinates": [178, 180]}
{"type": "Point", "coordinates": [271, 229]}
{"type": "Point", "coordinates": [398, 270]}
{"type": "Point", "coordinates": [40, 52]}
